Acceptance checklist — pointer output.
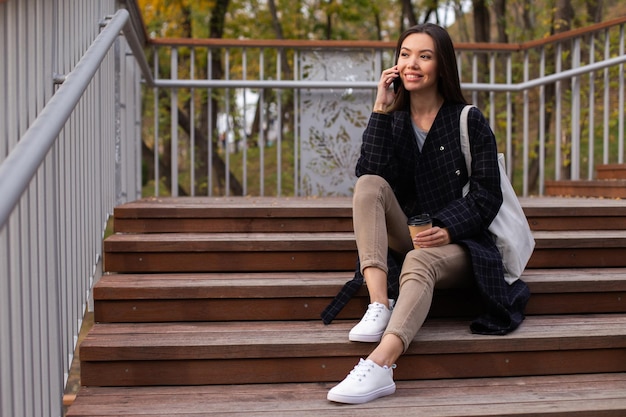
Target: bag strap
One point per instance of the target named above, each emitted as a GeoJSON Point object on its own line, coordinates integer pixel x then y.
{"type": "Point", "coordinates": [465, 144]}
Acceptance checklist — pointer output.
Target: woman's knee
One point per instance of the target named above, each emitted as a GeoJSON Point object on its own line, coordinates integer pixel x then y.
{"type": "Point", "coordinates": [418, 267]}
{"type": "Point", "coordinates": [370, 183]}
{"type": "Point", "coordinates": [369, 187]}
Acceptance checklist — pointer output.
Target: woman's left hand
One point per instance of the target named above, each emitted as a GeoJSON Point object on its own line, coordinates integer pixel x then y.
{"type": "Point", "coordinates": [433, 237]}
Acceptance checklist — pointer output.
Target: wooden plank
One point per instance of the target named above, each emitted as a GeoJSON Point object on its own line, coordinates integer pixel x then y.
{"type": "Point", "coordinates": [302, 308]}
{"type": "Point", "coordinates": [571, 213]}
{"type": "Point", "coordinates": [210, 252]}
{"type": "Point", "coordinates": [575, 279]}
{"type": "Point", "coordinates": [581, 257]}
{"type": "Point", "coordinates": [138, 262]}
{"type": "Point", "coordinates": [611, 171]}
{"type": "Point", "coordinates": [587, 188]}
{"type": "Point", "coordinates": [580, 239]}
{"type": "Point", "coordinates": [229, 242]}
{"type": "Point", "coordinates": [318, 283]}
{"type": "Point", "coordinates": [199, 214]}
{"type": "Point", "coordinates": [222, 242]}
{"type": "Point", "coordinates": [596, 395]}
{"type": "Point", "coordinates": [220, 207]}
{"type": "Point", "coordinates": [327, 369]}
{"type": "Point", "coordinates": [572, 206]}
{"type": "Point", "coordinates": [577, 303]}
{"type": "Point", "coordinates": [221, 285]}
{"type": "Point", "coordinates": [577, 223]}
{"type": "Point", "coordinates": [229, 309]}
{"type": "Point", "coordinates": [302, 296]}
{"type": "Point", "coordinates": [305, 339]}
{"type": "Point", "coordinates": [232, 225]}
{"type": "Point", "coordinates": [331, 260]}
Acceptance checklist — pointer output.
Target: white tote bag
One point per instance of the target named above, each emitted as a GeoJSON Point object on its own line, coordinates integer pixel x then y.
{"type": "Point", "coordinates": [510, 228]}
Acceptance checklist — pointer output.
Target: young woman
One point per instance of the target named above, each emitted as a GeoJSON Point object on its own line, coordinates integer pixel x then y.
{"type": "Point", "coordinates": [411, 163]}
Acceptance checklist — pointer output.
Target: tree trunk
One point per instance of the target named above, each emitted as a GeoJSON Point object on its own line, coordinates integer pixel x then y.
{"type": "Point", "coordinates": [594, 10]}
{"type": "Point", "coordinates": [562, 23]}
{"type": "Point", "coordinates": [481, 34]}
{"type": "Point", "coordinates": [500, 9]}
{"type": "Point", "coordinates": [408, 12]}
{"type": "Point", "coordinates": [219, 167]}
{"type": "Point", "coordinates": [216, 30]}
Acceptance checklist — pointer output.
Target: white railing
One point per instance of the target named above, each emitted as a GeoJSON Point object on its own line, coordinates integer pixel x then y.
{"type": "Point", "coordinates": [70, 112]}
{"type": "Point", "coordinates": [556, 106]}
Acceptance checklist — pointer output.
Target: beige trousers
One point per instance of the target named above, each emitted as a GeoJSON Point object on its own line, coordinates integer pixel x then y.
{"type": "Point", "coordinates": [379, 224]}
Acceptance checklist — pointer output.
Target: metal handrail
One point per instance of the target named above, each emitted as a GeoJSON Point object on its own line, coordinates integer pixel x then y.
{"type": "Point", "coordinates": [138, 52]}
{"type": "Point", "coordinates": [22, 163]}
{"type": "Point", "coordinates": [299, 84]}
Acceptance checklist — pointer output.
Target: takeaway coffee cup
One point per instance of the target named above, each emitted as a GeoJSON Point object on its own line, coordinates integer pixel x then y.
{"type": "Point", "coordinates": [418, 224]}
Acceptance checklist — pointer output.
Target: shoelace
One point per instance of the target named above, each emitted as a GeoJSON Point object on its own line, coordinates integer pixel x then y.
{"type": "Point", "coordinates": [373, 311]}
{"type": "Point", "coordinates": [362, 368]}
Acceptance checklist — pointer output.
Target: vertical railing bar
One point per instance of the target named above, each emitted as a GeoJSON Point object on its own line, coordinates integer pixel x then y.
{"type": "Point", "coordinates": [244, 129]}
{"type": "Point", "coordinates": [261, 123]}
{"type": "Point", "coordinates": [192, 126]}
{"type": "Point", "coordinates": [155, 92]}
{"type": "Point", "coordinates": [542, 123]}
{"type": "Point", "coordinates": [557, 121]}
{"type": "Point", "coordinates": [227, 123]}
{"type": "Point", "coordinates": [210, 124]}
{"type": "Point", "coordinates": [31, 229]}
{"type": "Point", "coordinates": [459, 64]}
{"type": "Point", "coordinates": [591, 98]}
{"type": "Point", "coordinates": [509, 118]}
{"type": "Point", "coordinates": [492, 94]}
{"type": "Point", "coordinates": [620, 130]}
{"type": "Point", "coordinates": [296, 125]}
{"type": "Point", "coordinates": [525, 134]}
{"type": "Point", "coordinates": [607, 88]}
{"type": "Point", "coordinates": [475, 76]}
{"type": "Point", "coordinates": [575, 113]}
{"type": "Point", "coordinates": [174, 123]}
{"type": "Point", "coordinates": [279, 134]}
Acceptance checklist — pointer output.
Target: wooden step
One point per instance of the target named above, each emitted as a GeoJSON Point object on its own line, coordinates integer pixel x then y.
{"type": "Point", "coordinates": [308, 351]}
{"type": "Point", "coordinates": [228, 252]}
{"type": "Point", "coordinates": [611, 172]}
{"type": "Point", "coordinates": [588, 395]}
{"type": "Point", "coordinates": [569, 214]}
{"type": "Point", "coordinates": [231, 252]}
{"type": "Point", "coordinates": [586, 188]}
{"type": "Point", "coordinates": [225, 214]}
{"type": "Point", "coordinates": [579, 249]}
{"type": "Point", "coordinates": [274, 215]}
{"type": "Point", "coordinates": [266, 296]}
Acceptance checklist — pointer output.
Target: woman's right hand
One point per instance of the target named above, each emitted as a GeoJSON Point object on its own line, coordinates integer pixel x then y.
{"type": "Point", "coordinates": [385, 94]}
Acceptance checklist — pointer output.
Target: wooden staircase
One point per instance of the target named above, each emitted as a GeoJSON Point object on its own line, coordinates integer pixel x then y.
{"type": "Point", "coordinates": [212, 307]}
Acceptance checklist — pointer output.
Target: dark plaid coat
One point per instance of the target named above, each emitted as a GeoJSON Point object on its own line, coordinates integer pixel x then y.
{"type": "Point", "coordinates": [431, 181]}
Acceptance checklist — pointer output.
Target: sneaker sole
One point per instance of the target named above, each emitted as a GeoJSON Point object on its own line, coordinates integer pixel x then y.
{"type": "Point", "coordinates": [367, 338]}
{"type": "Point", "coordinates": [361, 399]}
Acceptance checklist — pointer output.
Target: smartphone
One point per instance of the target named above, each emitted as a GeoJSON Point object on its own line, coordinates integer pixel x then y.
{"type": "Point", "coordinates": [397, 82]}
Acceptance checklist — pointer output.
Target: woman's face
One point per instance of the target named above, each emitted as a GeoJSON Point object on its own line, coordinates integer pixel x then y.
{"type": "Point", "coordinates": [417, 63]}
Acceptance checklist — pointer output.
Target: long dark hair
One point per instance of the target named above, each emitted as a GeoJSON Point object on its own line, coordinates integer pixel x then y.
{"type": "Point", "coordinates": [449, 84]}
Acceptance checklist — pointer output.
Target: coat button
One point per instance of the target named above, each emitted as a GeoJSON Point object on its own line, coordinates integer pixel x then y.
{"type": "Point", "coordinates": [457, 172]}
{"type": "Point", "coordinates": [441, 148]}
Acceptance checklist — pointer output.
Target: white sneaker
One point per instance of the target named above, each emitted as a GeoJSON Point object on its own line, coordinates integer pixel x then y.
{"type": "Point", "coordinates": [366, 382]}
{"type": "Point", "coordinates": [372, 325]}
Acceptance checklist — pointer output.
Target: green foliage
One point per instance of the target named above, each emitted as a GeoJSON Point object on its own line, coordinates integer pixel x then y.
{"type": "Point", "coordinates": [341, 20]}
